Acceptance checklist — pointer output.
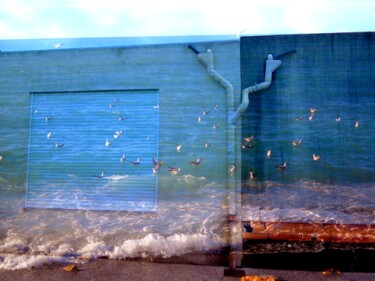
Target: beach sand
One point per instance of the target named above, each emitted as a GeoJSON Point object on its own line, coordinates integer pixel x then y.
{"type": "Point", "coordinates": [104, 269]}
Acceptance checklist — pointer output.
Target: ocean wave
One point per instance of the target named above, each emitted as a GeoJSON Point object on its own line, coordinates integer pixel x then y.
{"type": "Point", "coordinates": [152, 245]}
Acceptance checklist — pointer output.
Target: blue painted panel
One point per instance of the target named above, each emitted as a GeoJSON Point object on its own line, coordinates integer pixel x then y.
{"type": "Point", "coordinates": [82, 146]}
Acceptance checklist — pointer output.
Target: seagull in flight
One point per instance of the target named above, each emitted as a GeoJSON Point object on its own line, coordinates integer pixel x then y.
{"type": "Point", "coordinates": [252, 175]}
{"type": "Point", "coordinates": [59, 145]}
{"type": "Point", "coordinates": [249, 139]}
{"type": "Point", "coordinates": [244, 145]}
{"type": "Point", "coordinates": [123, 158]}
{"type": "Point", "coordinates": [107, 142]}
{"type": "Point", "coordinates": [99, 176]}
{"type": "Point", "coordinates": [295, 143]}
{"type": "Point", "coordinates": [196, 162]}
{"type": "Point", "coordinates": [157, 164]}
{"type": "Point", "coordinates": [281, 167]}
{"type": "Point", "coordinates": [174, 171]}
{"type": "Point", "coordinates": [316, 157]}
{"type": "Point", "coordinates": [269, 151]}
{"type": "Point", "coordinates": [137, 162]}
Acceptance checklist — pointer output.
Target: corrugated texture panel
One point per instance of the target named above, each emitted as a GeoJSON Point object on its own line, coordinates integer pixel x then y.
{"type": "Point", "coordinates": [82, 148]}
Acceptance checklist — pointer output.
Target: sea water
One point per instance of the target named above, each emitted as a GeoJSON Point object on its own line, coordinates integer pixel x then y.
{"type": "Point", "coordinates": [192, 207]}
{"type": "Point", "coordinates": [64, 219]}
{"type": "Point", "coordinates": [335, 123]}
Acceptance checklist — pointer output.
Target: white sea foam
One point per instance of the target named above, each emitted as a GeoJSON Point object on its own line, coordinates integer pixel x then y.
{"type": "Point", "coordinates": [150, 246]}
{"type": "Point", "coordinates": [118, 177]}
{"type": "Point", "coordinates": [155, 245]}
{"type": "Point", "coordinates": [14, 261]}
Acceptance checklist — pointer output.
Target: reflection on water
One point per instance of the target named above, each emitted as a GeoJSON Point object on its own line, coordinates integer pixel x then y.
{"type": "Point", "coordinates": [308, 202]}
{"type": "Point", "coordinates": [182, 224]}
{"type": "Point", "coordinates": [325, 138]}
{"type": "Point", "coordinates": [192, 206]}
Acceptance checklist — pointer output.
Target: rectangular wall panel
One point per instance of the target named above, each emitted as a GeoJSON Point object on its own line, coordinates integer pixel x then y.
{"type": "Point", "coordinates": [93, 150]}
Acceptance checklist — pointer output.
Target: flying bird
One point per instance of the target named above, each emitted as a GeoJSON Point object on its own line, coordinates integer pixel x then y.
{"type": "Point", "coordinates": [137, 162]}
{"type": "Point", "coordinates": [295, 143]}
{"type": "Point", "coordinates": [178, 147]}
{"type": "Point", "coordinates": [157, 164]}
{"type": "Point", "coordinates": [117, 134]}
{"type": "Point", "coordinates": [316, 157]}
{"type": "Point", "coordinates": [174, 171]}
{"type": "Point", "coordinates": [59, 145]}
{"type": "Point", "coordinates": [252, 175]}
{"type": "Point", "coordinates": [99, 176]}
{"type": "Point", "coordinates": [107, 142]}
{"type": "Point", "coordinates": [245, 145]}
{"type": "Point", "coordinates": [196, 162]}
{"type": "Point", "coordinates": [281, 167]}
{"type": "Point", "coordinates": [269, 151]}
{"type": "Point", "coordinates": [249, 139]}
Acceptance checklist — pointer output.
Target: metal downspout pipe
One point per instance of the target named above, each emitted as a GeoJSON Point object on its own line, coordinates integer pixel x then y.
{"type": "Point", "coordinates": [207, 60]}
{"type": "Point", "coordinates": [271, 66]}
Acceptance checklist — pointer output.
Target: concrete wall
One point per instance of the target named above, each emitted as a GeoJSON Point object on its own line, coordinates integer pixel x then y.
{"type": "Point", "coordinates": [330, 72]}
{"type": "Point", "coordinates": [185, 89]}
{"type": "Point", "coordinates": [172, 69]}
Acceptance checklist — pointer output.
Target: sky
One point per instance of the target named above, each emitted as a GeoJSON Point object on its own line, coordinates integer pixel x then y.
{"type": "Point", "coordinates": [38, 19]}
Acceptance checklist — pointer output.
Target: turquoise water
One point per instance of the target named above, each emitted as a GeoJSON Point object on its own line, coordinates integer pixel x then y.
{"type": "Point", "coordinates": [340, 186]}
{"type": "Point", "coordinates": [75, 137]}
{"type": "Point", "coordinates": [191, 207]}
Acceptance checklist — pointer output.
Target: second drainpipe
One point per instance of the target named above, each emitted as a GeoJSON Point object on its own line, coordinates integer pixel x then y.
{"type": "Point", "coordinates": [271, 66]}
{"type": "Point", "coordinates": [207, 60]}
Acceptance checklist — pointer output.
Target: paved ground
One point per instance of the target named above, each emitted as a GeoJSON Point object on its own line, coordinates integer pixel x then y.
{"type": "Point", "coordinates": [140, 270]}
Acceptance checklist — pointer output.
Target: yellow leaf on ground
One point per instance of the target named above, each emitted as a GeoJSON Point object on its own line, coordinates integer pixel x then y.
{"type": "Point", "coordinates": [258, 278]}
{"type": "Point", "coordinates": [70, 268]}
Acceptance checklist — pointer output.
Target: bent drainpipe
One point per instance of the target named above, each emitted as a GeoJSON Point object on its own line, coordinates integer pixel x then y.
{"type": "Point", "coordinates": [271, 66]}
{"type": "Point", "coordinates": [207, 59]}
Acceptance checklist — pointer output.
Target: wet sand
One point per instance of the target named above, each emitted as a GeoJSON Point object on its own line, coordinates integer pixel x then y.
{"type": "Point", "coordinates": [104, 269]}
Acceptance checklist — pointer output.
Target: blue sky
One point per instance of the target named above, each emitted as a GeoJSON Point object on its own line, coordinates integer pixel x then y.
{"type": "Point", "coordinates": [25, 19]}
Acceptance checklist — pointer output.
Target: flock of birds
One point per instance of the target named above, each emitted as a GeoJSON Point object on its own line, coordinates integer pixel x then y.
{"type": "Point", "coordinates": [246, 143]}
{"type": "Point", "coordinates": [156, 164]}
{"type": "Point", "coordinates": [107, 143]}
